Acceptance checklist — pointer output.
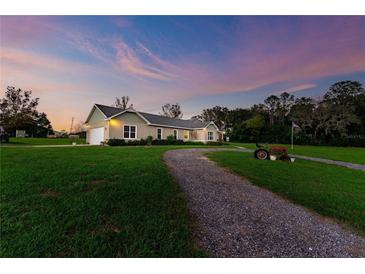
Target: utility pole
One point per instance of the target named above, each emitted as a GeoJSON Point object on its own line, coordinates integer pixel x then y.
{"type": "Point", "coordinates": [72, 124]}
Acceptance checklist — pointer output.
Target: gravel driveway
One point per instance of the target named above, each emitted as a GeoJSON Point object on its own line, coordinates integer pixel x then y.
{"type": "Point", "coordinates": [237, 219]}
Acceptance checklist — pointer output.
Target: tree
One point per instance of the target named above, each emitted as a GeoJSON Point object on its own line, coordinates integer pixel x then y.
{"type": "Point", "coordinates": [302, 113]}
{"type": "Point", "coordinates": [41, 127]}
{"type": "Point", "coordinates": [286, 101]}
{"type": "Point", "coordinates": [253, 127]}
{"type": "Point", "coordinates": [341, 102]}
{"type": "Point", "coordinates": [344, 92]}
{"type": "Point", "coordinates": [122, 102]}
{"type": "Point", "coordinates": [18, 109]}
{"type": "Point", "coordinates": [216, 114]}
{"type": "Point", "coordinates": [272, 104]}
{"type": "Point", "coordinates": [172, 110]}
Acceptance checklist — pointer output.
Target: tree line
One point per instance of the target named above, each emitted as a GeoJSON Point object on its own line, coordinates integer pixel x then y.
{"type": "Point", "coordinates": [337, 119]}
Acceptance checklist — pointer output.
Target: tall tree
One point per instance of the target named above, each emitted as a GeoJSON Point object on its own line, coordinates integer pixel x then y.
{"type": "Point", "coordinates": [172, 110]}
{"type": "Point", "coordinates": [342, 100]}
{"type": "Point", "coordinates": [122, 102]}
{"type": "Point", "coordinates": [285, 104]}
{"type": "Point", "coordinates": [331, 122]}
{"type": "Point", "coordinates": [272, 104]}
{"type": "Point", "coordinates": [18, 109]}
{"type": "Point", "coordinates": [41, 127]}
{"type": "Point", "coordinates": [216, 114]}
{"type": "Point", "coordinates": [302, 113]}
{"type": "Point", "coordinates": [344, 92]}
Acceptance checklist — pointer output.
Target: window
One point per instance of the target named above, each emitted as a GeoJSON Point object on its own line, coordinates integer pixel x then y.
{"type": "Point", "coordinates": [186, 134]}
{"type": "Point", "coordinates": [210, 135]}
{"type": "Point", "coordinates": [159, 133]}
{"type": "Point", "coordinates": [175, 134]}
{"type": "Point", "coordinates": [129, 132]}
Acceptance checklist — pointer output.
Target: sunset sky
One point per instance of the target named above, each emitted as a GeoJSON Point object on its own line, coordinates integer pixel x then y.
{"type": "Point", "coordinates": [72, 62]}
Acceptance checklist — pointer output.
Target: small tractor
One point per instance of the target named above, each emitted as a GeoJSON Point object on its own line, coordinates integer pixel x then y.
{"type": "Point", "coordinates": [265, 152]}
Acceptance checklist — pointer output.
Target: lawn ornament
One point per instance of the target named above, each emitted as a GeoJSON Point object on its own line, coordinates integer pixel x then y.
{"type": "Point", "coordinates": [265, 152]}
{"type": "Point", "coordinates": [262, 151]}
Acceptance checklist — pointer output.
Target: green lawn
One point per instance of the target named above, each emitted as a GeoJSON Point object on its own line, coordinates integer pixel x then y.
{"type": "Point", "coordinates": [43, 141]}
{"type": "Point", "coordinates": [348, 154]}
{"type": "Point", "coordinates": [92, 202]}
{"type": "Point", "coordinates": [330, 190]}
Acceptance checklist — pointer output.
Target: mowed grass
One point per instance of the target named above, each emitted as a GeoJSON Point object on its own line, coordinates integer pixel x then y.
{"type": "Point", "coordinates": [92, 202]}
{"type": "Point", "coordinates": [43, 141]}
{"type": "Point", "coordinates": [347, 154]}
{"type": "Point", "coordinates": [330, 190]}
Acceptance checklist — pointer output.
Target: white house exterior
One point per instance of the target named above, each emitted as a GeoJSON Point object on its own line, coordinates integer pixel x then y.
{"type": "Point", "coordinates": [105, 122]}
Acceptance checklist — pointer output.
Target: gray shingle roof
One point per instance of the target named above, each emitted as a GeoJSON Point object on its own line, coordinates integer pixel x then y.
{"type": "Point", "coordinates": [107, 110]}
{"type": "Point", "coordinates": [173, 122]}
{"type": "Point", "coordinates": [157, 119]}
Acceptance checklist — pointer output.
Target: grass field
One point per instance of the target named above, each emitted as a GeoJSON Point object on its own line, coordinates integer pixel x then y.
{"type": "Point", "coordinates": [91, 202]}
{"type": "Point", "coordinates": [327, 189]}
{"type": "Point", "coordinates": [43, 141]}
{"type": "Point", "coordinates": [348, 154]}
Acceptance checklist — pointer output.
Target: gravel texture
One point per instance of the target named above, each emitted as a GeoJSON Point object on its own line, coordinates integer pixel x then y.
{"type": "Point", "coordinates": [237, 219]}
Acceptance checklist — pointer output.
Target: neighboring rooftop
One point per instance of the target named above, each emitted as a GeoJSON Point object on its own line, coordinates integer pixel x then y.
{"type": "Point", "coordinates": [155, 119]}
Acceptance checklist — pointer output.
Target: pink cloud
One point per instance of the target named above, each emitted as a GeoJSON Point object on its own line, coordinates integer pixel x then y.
{"type": "Point", "coordinates": [25, 29]}
{"type": "Point", "coordinates": [131, 63]}
{"type": "Point", "coordinates": [121, 57]}
{"type": "Point", "coordinates": [34, 61]}
{"type": "Point", "coordinates": [260, 57]}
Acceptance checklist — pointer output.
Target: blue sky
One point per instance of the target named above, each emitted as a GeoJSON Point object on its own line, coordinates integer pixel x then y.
{"type": "Point", "coordinates": [72, 62]}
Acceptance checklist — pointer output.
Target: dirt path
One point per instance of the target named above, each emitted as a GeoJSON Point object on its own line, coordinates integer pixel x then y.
{"type": "Point", "coordinates": [238, 219]}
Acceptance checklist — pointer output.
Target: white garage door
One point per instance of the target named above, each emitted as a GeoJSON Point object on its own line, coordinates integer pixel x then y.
{"type": "Point", "coordinates": [96, 135]}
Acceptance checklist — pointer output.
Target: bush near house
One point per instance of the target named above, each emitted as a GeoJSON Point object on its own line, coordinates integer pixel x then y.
{"type": "Point", "coordinates": [156, 142]}
{"type": "Point", "coordinates": [214, 143]}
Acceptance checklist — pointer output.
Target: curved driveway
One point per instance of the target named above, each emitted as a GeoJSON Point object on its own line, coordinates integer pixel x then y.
{"type": "Point", "coordinates": [237, 219]}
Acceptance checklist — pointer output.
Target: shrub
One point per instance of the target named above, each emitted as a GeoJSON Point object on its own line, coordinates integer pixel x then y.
{"type": "Point", "coordinates": [178, 142]}
{"type": "Point", "coordinates": [214, 143]}
{"type": "Point", "coordinates": [133, 143]}
{"type": "Point", "coordinates": [159, 142]}
{"type": "Point", "coordinates": [143, 142]}
{"type": "Point", "coordinates": [170, 139]}
{"type": "Point", "coordinates": [116, 142]}
{"type": "Point", "coordinates": [149, 140]}
{"type": "Point", "coordinates": [192, 143]}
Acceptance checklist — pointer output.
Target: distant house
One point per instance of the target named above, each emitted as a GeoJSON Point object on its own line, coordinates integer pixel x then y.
{"type": "Point", "coordinates": [19, 133]}
{"type": "Point", "coordinates": [105, 122]}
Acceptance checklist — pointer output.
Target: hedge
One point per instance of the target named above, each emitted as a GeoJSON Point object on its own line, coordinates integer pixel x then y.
{"type": "Point", "coordinates": [156, 142]}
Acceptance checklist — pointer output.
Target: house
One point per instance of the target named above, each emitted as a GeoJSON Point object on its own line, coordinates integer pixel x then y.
{"type": "Point", "coordinates": [20, 133]}
{"type": "Point", "coordinates": [105, 122]}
